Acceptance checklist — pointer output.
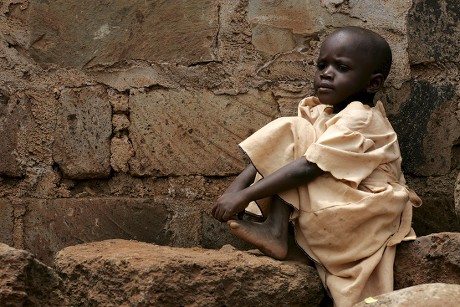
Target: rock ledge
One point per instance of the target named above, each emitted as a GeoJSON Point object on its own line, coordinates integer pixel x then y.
{"type": "Point", "coordinates": [120, 272]}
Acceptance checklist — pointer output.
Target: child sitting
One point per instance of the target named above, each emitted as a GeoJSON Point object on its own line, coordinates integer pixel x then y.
{"type": "Point", "coordinates": [334, 171]}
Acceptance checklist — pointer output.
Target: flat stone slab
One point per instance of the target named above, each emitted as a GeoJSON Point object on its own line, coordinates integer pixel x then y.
{"type": "Point", "coordinates": [131, 273]}
{"type": "Point", "coordinates": [178, 132]}
{"type": "Point", "coordinates": [437, 294]}
{"type": "Point", "coordinates": [122, 272]}
{"type": "Point", "coordinates": [108, 32]}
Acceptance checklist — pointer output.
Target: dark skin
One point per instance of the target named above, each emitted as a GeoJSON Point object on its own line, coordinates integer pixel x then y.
{"type": "Point", "coordinates": [269, 237]}
{"type": "Point", "coordinates": [345, 73]}
{"type": "Point", "coordinates": [241, 192]}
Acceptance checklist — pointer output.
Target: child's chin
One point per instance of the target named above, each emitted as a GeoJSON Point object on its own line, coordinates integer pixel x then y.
{"type": "Point", "coordinates": [325, 101]}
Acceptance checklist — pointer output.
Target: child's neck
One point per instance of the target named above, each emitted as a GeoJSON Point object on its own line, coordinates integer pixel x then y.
{"type": "Point", "coordinates": [367, 101]}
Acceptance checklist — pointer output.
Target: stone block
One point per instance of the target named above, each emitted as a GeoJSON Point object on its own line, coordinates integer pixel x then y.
{"type": "Point", "coordinates": [83, 131]}
{"type": "Point", "coordinates": [286, 33]}
{"type": "Point", "coordinates": [25, 281]}
{"type": "Point", "coordinates": [433, 31]}
{"type": "Point", "coordinates": [54, 224]}
{"type": "Point", "coordinates": [298, 16]}
{"type": "Point", "coordinates": [292, 67]}
{"type": "Point", "coordinates": [187, 198]}
{"type": "Point", "coordinates": [119, 273]}
{"type": "Point", "coordinates": [436, 294]}
{"type": "Point", "coordinates": [6, 222]}
{"type": "Point", "coordinates": [437, 214]}
{"type": "Point", "coordinates": [15, 121]}
{"type": "Point", "coordinates": [429, 259]}
{"type": "Point", "coordinates": [185, 228]}
{"type": "Point", "coordinates": [27, 122]}
{"type": "Point", "coordinates": [109, 32]}
{"type": "Point", "coordinates": [265, 36]}
{"type": "Point", "coordinates": [376, 14]}
{"type": "Point", "coordinates": [427, 115]}
{"type": "Point", "coordinates": [177, 132]}
{"type": "Point", "coordinates": [314, 16]}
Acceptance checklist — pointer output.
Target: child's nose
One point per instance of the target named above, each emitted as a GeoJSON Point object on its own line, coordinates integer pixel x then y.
{"type": "Point", "coordinates": [327, 72]}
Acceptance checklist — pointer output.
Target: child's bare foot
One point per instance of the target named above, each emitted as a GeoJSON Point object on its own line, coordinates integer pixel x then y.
{"type": "Point", "coordinates": [269, 240]}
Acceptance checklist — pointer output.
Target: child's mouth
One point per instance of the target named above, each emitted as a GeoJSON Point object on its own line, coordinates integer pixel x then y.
{"type": "Point", "coordinates": [323, 89]}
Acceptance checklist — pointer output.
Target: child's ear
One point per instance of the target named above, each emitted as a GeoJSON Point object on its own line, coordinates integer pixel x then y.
{"type": "Point", "coordinates": [375, 83]}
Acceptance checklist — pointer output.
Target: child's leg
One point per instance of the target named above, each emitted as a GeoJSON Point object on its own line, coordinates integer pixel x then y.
{"type": "Point", "coordinates": [271, 236]}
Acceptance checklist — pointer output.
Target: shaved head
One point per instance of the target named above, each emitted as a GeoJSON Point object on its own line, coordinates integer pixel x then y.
{"type": "Point", "coordinates": [371, 45]}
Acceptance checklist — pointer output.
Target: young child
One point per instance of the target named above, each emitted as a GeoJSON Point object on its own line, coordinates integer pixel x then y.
{"type": "Point", "coordinates": [334, 171]}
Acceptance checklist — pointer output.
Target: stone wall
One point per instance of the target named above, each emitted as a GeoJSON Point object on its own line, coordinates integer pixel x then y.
{"type": "Point", "coordinates": [120, 119]}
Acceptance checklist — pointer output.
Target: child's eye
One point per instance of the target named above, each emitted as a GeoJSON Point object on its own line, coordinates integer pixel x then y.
{"type": "Point", "coordinates": [343, 68]}
{"type": "Point", "coordinates": [320, 65]}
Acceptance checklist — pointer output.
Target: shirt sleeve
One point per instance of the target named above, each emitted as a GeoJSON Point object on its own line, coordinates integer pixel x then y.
{"type": "Point", "coordinates": [351, 147]}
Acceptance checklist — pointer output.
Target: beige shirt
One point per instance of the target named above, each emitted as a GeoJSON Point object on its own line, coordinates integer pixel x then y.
{"type": "Point", "coordinates": [349, 219]}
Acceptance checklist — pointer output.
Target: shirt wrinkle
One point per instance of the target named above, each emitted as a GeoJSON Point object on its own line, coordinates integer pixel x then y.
{"type": "Point", "coordinates": [350, 218]}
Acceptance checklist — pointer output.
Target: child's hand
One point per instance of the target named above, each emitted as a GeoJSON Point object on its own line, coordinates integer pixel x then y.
{"type": "Point", "coordinates": [228, 205]}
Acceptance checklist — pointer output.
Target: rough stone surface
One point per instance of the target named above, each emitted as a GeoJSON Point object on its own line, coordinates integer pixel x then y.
{"type": "Point", "coordinates": [82, 138]}
{"type": "Point", "coordinates": [436, 294]}
{"type": "Point", "coordinates": [457, 196]}
{"type": "Point", "coordinates": [120, 122]}
{"type": "Point", "coordinates": [118, 101]}
{"type": "Point", "coordinates": [15, 117]}
{"type": "Point", "coordinates": [428, 115]}
{"type": "Point", "coordinates": [429, 259]}
{"type": "Point", "coordinates": [132, 273]}
{"type": "Point", "coordinates": [118, 273]}
{"type": "Point", "coordinates": [135, 77]}
{"type": "Point", "coordinates": [437, 214]}
{"type": "Point", "coordinates": [383, 15]}
{"type": "Point", "coordinates": [27, 120]}
{"type": "Point", "coordinates": [24, 281]}
{"type": "Point", "coordinates": [109, 32]}
{"type": "Point", "coordinates": [174, 134]}
{"type": "Point", "coordinates": [290, 27]}
{"type": "Point", "coordinates": [427, 18]}
{"type": "Point", "coordinates": [118, 67]}
{"type": "Point", "coordinates": [6, 222]}
{"type": "Point", "coordinates": [121, 152]}
{"type": "Point", "coordinates": [50, 225]}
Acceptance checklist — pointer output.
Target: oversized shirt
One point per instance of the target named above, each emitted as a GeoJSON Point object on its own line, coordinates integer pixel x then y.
{"type": "Point", "coordinates": [349, 219]}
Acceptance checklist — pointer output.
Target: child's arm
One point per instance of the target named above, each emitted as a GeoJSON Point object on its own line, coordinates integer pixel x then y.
{"type": "Point", "coordinates": [288, 177]}
{"type": "Point", "coordinates": [244, 179]}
